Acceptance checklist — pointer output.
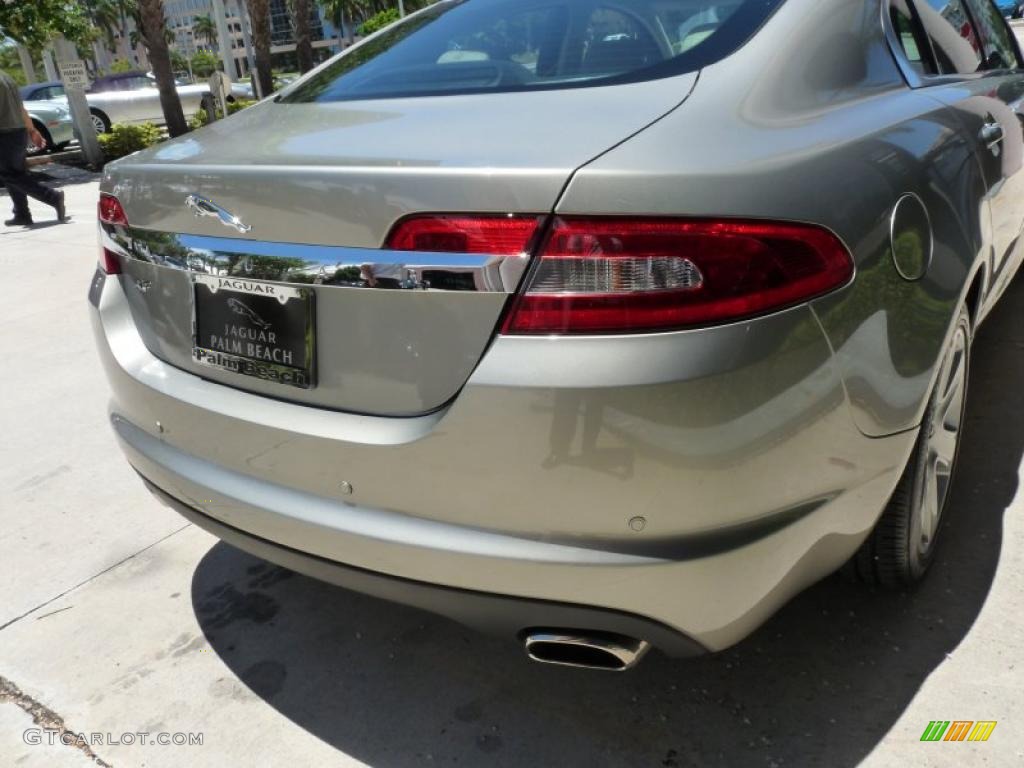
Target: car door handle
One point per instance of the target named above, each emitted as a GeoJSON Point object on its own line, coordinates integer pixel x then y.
{"type": "Point", "coordinates": [991, 134]}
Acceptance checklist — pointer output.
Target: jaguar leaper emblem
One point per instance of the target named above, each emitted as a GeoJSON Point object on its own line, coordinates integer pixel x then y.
{"type": "Point", "coordinates": [247, 312]}
{"type": "Point", "coordinates": [202, 206]}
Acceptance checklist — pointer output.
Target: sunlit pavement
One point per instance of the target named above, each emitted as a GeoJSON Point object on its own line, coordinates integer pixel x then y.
{"type": "Point", "coordinates": [118, 618]}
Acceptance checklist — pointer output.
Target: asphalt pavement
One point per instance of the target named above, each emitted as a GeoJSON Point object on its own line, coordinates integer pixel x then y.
{"type": "Point", "coordinates": [118, 619]}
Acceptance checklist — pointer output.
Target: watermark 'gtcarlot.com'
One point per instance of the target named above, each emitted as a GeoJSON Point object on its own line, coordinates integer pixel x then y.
{"type": "Point", "coordinates": [99, 738]}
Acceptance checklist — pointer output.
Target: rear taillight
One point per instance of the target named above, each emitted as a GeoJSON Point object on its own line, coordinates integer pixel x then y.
{"type": "Point", "coordinates": [495, 235]}
{"type": "Point", "coordinates": [109, 262]}
{"type": "Point", "coordinates": [611, 275]}
{"type": "Point", "coordinates": [110, 210]}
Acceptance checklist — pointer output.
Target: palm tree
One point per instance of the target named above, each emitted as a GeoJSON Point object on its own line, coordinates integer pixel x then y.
{"type": "Point", "coordinates": [136, 38]}
{"type": "Point", "coordinates": [303, 46]}
{"type": "Point", "coordinates": [205, 28]}
{"type": "Point", "coordinates": [356, 11]}
{"type": "Point", "coordinates": [259, 16]}
{"type": "Point", "coordinates": [107, 17]}
{"type": "Point", "coordinates": [154, 30]}
{"type": "Point", "coordinates": [335, 12]}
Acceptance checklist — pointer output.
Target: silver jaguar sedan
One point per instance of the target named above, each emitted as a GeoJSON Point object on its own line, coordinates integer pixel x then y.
{"type": "Point", "coordinates": [132, 98]}
{"type": "Point", "coordinates": [53, 121]}
{"type": "Point", "coordinates": [605, 325]}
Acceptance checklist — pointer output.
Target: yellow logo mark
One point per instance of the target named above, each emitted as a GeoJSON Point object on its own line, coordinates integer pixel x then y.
{"type": "Point", "coordinates": [982, 730]}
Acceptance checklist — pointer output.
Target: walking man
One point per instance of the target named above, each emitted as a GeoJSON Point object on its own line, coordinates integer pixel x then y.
{"type": "Point", "coordinates": [16, 130]}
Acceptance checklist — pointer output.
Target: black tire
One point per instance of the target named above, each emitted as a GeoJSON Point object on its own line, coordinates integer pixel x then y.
{"type": "Point", "coordinates": [100, 120]}
{"type": "Point", "coordinates": [898, 551]}
{"type": "Point", "coordinates": [31, 150]}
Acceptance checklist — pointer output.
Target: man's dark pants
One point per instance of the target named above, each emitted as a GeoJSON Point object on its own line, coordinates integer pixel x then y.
{"type": "Point", "coordinates": [13, 173]}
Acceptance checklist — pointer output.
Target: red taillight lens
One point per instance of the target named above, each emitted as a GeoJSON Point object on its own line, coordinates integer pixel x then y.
{"type": "Point", "coordinates": [109, 262]}
{"type": "Point", "coordinates": [612, 275]}
{"type": "Point", "coordinates": [110, 210]}
{"type": "Point", "coordinates": [496, 235]}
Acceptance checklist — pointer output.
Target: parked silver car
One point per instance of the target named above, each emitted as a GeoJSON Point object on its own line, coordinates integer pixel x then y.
{"type": "Point", "coordinates": [600, 325]}
{"type": "Point", "coordinates": [53, 121]}
{"type": "Point", "coordinates": [132, 97]}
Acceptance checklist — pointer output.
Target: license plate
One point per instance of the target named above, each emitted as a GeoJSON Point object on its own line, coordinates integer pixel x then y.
{"type": "Point", "coordinates": [252, 328]}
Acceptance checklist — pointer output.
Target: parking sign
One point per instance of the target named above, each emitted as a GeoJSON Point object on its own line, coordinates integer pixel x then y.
{"type": "Point", "coordinates": [73, 75]}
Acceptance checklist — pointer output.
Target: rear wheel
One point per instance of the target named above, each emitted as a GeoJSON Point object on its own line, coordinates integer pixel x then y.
{"type": "Point", "coordinates": [99, 121]}
{"type": "Point", "coordinates": [900, 549]}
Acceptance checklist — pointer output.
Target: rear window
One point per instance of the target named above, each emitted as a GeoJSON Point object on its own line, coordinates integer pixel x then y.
{"type": "Point", "coordinates": [480, 46]}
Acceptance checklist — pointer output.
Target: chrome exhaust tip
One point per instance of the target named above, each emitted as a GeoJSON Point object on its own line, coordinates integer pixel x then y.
{"type": "Point", "coordinates": [590, 650]}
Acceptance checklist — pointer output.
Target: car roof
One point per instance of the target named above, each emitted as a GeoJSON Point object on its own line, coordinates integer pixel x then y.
{"type": "Point", "coordinates": [121, 76]}
{"type": "Point", "coordinates": [101, 82]}
{"type": "Point", "coordinates": [26, 89]}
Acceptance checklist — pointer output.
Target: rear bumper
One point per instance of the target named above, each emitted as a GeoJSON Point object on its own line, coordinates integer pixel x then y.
{"type": "Point", "coordinates": [485, 612]}
{"type": "Point", "coordinates": [734, 446]}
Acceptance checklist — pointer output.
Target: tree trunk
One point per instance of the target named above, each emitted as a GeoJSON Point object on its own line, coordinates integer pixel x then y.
{"type": "Point", "coordinates": [303, 45]}
{"type": "Point", "coordinates": [25, 57]}
{"type": "Point", "coordinates": [153, 28]}
{"type": "Point", "coordinates": [259, 18]}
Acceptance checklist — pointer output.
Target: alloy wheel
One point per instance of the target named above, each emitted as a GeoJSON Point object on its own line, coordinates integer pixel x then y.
{"type": "Point", "coordinates": [941, 439]}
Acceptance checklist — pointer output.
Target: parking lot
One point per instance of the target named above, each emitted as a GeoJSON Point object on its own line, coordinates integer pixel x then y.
{"type": "Point", "coordinates": [117, 618]}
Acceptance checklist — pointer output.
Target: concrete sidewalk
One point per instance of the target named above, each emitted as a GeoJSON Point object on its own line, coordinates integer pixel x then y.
{"type": "Point", "coordinates": [117, 618]}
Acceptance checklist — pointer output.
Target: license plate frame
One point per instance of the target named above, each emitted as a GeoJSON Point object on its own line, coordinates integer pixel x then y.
{"type": "Point", "coordinates": [289, 363]}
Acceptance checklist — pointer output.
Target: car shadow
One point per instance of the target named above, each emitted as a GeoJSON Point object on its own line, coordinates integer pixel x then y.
{"type": "Point", "coordinates": [60, 174]}
{"type": "Point", "coordinates": [820, 684]}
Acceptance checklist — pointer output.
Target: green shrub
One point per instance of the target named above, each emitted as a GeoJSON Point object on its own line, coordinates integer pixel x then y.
{"type": "Point", "coordinates": [120, 65]}
{"type": "Point", "coordinates": [201, 118]}
{"type": "Point", "coordinates": [124, 139]}
{"type": "Point", "coordinates": [204, 63]}
{"type": "Point", "coordinates": [377, 21]}
{"type": "Point", "coordinates": [238, 105]}
{"type": "Point", "coordinates": [198, 120]}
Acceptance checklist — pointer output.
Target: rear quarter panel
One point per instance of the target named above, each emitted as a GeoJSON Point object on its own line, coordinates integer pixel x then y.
{"type": "Point", "coordinates": [823, 131]}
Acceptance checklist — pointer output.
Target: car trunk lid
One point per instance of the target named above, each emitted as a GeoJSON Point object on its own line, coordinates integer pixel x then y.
{"type": "Point", "coordinates": [306, 194]}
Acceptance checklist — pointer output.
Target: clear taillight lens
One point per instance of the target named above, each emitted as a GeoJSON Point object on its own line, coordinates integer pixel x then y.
{"type": "Point", "coordinates": [612, 275]}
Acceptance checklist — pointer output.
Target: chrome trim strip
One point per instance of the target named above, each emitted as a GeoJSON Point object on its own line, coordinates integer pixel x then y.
{"type": "Point", "coordinates": [327, 265]}
{"type": "Point", "coordinates": [892, 236]}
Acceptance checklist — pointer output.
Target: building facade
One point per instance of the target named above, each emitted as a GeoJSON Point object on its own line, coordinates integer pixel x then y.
{"type": "Point", "coordinates": [181, 17]}
{"type": "Point", "coordinates": [282, 34]}
{"type": "Point", "coordinates": [182, 14]}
